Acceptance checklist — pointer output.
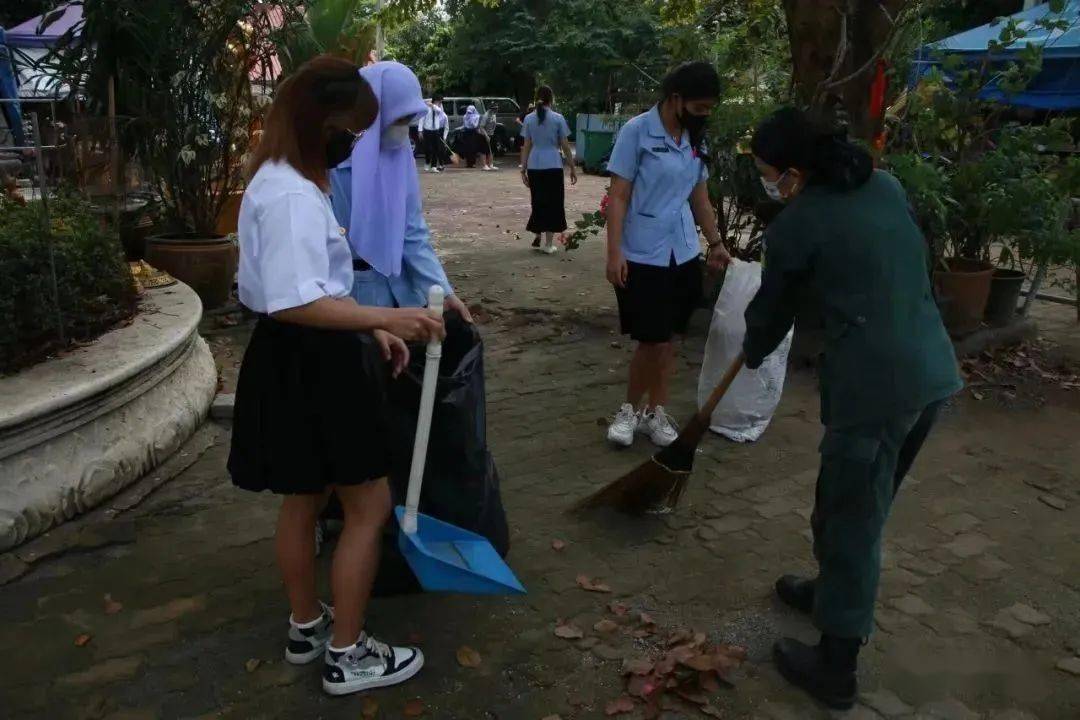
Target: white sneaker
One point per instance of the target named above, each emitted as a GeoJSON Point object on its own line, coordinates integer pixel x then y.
{"type": "Point", "coordinates": [307, 642]}
{"type": "Point", "coordinates": [493, 168]}
{"type": "Point", "coordinates": [428, 168]}
{"type": "Point", "coordinates": [369, 664]}
{"type": "Point", "coordinates": [622, 428]}
{"type": "Point", "coordinates": [549, 250]}
{"type": "Point", "coordinates": [437, 170]}
{"type": "Point", "coordinates": [659, 426]}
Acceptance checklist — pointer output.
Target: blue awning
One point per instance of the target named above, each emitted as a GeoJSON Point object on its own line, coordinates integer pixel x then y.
{"type": "Point", "coordinates": [1057, 87]}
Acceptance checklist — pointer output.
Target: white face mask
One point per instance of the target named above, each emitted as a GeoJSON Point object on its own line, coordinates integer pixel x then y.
{"type": "Point", "coordinates": [395, 136]}
{"type": "Point", "coordinates": [772, 188]}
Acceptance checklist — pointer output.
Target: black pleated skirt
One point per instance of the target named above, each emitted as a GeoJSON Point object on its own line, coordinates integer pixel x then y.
{"type": "Point", "coordinates": [548, 196]}
{"type": "Point", "coordinates": [309, 412]}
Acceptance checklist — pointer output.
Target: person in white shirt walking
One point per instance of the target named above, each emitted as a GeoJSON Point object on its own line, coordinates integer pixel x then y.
{"type": "Point", "coordinates": [434, 126]}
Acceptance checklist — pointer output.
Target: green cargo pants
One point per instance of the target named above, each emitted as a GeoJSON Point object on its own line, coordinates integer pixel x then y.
{"type": "Point", "coordinates": [861, 470]}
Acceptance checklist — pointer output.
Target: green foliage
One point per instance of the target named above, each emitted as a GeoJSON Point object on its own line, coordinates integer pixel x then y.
{"type": "Point", "coordinates": [595, 53]}
{"type": "Point", "coordinates": [981, 183]}
{"type": "Point", "coordinates": [95, 285]}
{"type": "Point", "coordinates": [184, 72]}
{"type": "Point", "coordinates": [589, 226]}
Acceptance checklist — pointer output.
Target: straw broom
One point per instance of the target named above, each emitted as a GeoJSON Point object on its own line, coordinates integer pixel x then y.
{"type": "Point", "coordinates": [659, 481]}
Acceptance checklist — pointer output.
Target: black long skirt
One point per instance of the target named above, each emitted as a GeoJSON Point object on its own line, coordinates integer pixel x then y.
{"type": "Point", "coordinates": [309, 412]}
{"type": "Point", "coordinates": [548, 196]}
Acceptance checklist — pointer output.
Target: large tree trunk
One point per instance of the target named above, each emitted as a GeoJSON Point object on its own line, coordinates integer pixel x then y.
{"type": "Point", "coordinates": [834, 45]}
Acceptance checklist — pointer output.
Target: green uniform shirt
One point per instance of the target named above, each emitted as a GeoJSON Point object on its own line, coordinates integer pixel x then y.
{"type": "Point", "coordinates": [860, 255]}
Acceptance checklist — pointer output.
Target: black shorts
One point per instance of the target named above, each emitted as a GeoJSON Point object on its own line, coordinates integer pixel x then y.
{"type": "Point", "coordinates": [657, 302]}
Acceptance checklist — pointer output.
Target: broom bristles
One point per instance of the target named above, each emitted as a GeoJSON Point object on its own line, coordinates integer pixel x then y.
{"type": "Point", "coordinates": [661, 478]}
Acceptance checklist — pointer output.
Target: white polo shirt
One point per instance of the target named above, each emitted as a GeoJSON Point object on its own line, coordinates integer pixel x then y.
{"type": "Point", "coordinates": [292, 250]}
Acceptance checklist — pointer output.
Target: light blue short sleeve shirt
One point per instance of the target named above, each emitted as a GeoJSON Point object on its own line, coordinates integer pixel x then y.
{"type": "Point", "coordinates": [546, 137]}
{"type": "Point", "coordinates": [659, 224]}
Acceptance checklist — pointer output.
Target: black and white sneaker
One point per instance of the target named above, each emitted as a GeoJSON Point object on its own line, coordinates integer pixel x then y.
{"type": "Point", "coordinates": [367, 665]}
{"type": "Point", "coordinates": [308, 641]}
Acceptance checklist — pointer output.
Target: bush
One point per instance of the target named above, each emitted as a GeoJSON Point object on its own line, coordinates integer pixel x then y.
{"type": "Point", "coordinates": [95, 285]}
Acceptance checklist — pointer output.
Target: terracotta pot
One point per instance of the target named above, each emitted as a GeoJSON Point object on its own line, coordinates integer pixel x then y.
{"type": "Point", "coordinates": [962, 292]}
{"type": "Point", "coordinates": [1004, 296]}
{"type": "Point", "coordinates": [229, 216]}
{"type": "Point", "coordinates": [207, 264]}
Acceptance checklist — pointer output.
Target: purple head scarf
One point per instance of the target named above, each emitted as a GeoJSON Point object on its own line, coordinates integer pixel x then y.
{"type": "Point", "coordinates": [384, 173]}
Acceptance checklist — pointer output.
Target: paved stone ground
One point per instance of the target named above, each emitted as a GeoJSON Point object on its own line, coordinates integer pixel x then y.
{"type": "Point", "coordinates": [978, 613]}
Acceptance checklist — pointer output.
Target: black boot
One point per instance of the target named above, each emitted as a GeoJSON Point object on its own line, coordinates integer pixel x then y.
{"type": "Point", "coordinates": [825, 670]}
{"type": "Point", "coordinates": [797, 592]}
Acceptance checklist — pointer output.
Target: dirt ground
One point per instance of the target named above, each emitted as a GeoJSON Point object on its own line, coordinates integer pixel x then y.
{"type": "Point", "coordinates": [979, 609]}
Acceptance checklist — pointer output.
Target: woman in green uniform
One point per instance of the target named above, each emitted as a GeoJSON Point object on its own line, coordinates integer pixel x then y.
{"type": "Point", "coordinates": [847, 241]}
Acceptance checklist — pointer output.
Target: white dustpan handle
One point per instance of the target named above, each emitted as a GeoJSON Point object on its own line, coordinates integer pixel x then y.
{"type": "Point", "coordinates": [436, 296]}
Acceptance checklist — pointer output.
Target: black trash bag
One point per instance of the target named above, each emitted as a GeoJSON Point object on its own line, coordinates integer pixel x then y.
{"type": "Point", "coordinates": [461, 482]}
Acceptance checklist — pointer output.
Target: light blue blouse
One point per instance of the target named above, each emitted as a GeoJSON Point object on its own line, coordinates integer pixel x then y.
{"type": "Point", "coordinates": [659, 224]}
{"type": "Point", "coordinates": [420, 266]}
{"type": "Point", "coordinates": [546, 137]}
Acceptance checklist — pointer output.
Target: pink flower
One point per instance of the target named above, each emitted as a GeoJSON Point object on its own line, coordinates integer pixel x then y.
{"type": "Point", "coordinates": [604, 202]}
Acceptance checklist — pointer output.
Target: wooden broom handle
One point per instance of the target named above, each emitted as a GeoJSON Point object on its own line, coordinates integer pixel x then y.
{"type": "Point", "coordinates": [725, 382]}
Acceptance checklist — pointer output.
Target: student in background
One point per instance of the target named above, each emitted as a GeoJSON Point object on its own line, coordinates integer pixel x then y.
{"type": "Point", "coordinates": [470, 135]}
{"type": "Point", "coordinates": [434, 126]}
{"type": "Point", "coordinates": [308, 418]}
{"type": "Point", "coordinates": [658, 198]}
{"type": "Point", "coordinates": [487, 132]}
{"type": "Point", "coordinates": [381, 209]}
{"type": "Point", "coordinates": [546, 132]}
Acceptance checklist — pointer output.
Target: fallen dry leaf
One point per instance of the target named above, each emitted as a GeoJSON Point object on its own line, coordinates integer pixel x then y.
{"type": "Point", "coordinates": [82, 640]}
{"type": "Point", "coordinates": [558, 545]}
{"type": "Point", "coordinates": [567, 631]}
{"type": "Point", "coordinates": [692, 696]}
{"type": "Point", "coordinates": [646, 619]}
{"type": "Point", "coordinates": [700, 662]}
{"type": "Point", "coordinates": [111, 606]}
{"type": "Point", "coordinates": [708, 682]}
{"type": "Point", "coordinates": [252, 665]}
{"type": "Point", "coordinates": [619, 705]}
{"type": "Point", "coordinates": [585, 583]}
{"type": "Point", "coordinates": [637, 666]}
{"type": "Point", "coordinates": [413, 708]}
{"type": "Point", "coordinates": [369, 707]}
{"type": "Point", "coordinates": [605, 626]}
{"type": "Point", "coordinates": [467, 657]}
{"type": "Point", "coordinates": [643, 686]}
{"type": "Point", "coordinates": [618, 609]}
{"type": "Point", "coordinates": [711, 711]}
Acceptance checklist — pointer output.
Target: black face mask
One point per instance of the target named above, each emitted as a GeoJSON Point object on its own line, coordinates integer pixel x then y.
{"type": "Point", "coordinates": [339, 147]}
{"type": "Point", "coordinates": [694, 124]}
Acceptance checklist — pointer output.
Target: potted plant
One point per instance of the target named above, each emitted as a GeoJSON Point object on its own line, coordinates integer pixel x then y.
{"type": "Point", "coordinates": [969, 167]}
{"type": "Point", "coordinates": [194, 78]}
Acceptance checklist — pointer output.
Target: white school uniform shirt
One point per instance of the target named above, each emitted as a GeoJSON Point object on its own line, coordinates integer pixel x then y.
{"type": "Point", "coordinates": [434, 119]}
{"type": "Point", "coordinates": [292, 250]}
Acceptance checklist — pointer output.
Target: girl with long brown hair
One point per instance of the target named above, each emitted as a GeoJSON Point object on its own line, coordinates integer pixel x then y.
{"type": "Point", "coordinates": [296, 429]}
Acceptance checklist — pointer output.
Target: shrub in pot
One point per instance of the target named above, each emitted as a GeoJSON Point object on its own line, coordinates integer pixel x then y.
{"type": "Point", "coordinates": [970, 170]}
{"type": "Point", "coordinates": [195, 76]}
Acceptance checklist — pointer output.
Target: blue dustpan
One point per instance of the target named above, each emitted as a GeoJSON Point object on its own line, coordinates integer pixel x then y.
{"type": "Point", "coordinates": [444, 557]}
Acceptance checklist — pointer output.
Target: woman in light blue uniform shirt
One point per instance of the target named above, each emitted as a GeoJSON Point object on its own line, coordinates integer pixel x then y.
{"type": "Point", "coordinates": [546, 132]}
{"type": "Point", "coordinates": [658, 197]}
{"type": "Point", "coordinates": [381, 210]}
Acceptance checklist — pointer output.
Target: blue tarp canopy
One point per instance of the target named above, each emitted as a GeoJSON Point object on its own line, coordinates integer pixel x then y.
{"type": "Point", "coordinates": [1057, 87]}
